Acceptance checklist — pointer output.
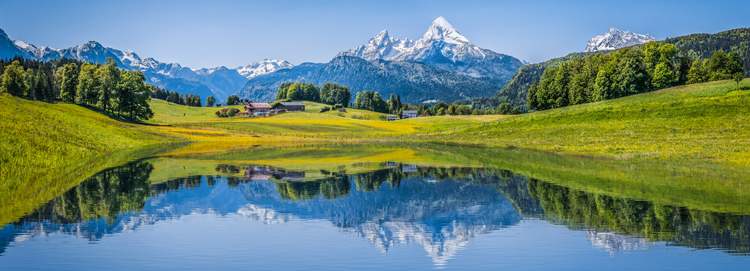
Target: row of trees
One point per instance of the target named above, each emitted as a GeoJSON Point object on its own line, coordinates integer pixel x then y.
{"type": "Point", "coordinates": [330, 93]}
{"type": "Point", "coordinates": [32, 79]}
{"type": "Point", "coordinates": [103, 86]}
{"type": "Point", "coordinates": [370, 100]}
{"type": "Point", "coordinates": [175, 97]}
{"type": "Point", "coordinates": [626, 72]}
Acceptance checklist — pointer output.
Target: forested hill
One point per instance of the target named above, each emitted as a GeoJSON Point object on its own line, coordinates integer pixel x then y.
{"type": "Point", "coordinates": [698, 45]}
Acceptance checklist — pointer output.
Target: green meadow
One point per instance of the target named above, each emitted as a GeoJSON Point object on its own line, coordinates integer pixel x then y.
{"type": "Point", "coordinates": [700, 122]}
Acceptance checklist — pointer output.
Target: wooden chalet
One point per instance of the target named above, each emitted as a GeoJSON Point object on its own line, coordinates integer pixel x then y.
{"type": "Point", "coordinates": [290, 106]}
{"type": "Point", "coordinates": [252, 108]}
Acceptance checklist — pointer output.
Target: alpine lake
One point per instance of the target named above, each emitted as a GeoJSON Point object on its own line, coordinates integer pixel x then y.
{"type": "Point", "coordinates": [383, 207]}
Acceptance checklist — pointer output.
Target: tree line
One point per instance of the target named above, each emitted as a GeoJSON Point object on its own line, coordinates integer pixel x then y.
{"type": "Point", "coordinates": [175, 97]}
{"type": "Point", "coordinates": [105, 87]}
{"type": "Point", "coordinates": [330, 93]}
{"type": "Point", "coordinates": [371, 100]}
{"type": "Point", "coordinates": [626, 72]}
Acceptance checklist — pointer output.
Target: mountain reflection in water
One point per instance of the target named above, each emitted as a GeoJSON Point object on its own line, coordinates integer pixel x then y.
{"type": "Point", "coordinates": [442, 209]}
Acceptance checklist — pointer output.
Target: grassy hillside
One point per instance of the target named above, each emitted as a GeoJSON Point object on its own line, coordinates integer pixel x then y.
{"type": "Point", "coordinates": [37, 136]}
{"type": "Point", "coordinates": [701, 122]}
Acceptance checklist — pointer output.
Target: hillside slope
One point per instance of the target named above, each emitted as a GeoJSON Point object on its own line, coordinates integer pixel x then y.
{"type": "Point", "coordinates": [700, 122]}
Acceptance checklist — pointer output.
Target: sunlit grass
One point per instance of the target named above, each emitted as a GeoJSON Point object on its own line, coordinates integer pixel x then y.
{"type": "Point", "coordinates": [702, 122]}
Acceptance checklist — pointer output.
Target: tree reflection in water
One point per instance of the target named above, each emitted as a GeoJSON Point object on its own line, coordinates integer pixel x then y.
{"type": "Point", "coordinates": [441, 208]}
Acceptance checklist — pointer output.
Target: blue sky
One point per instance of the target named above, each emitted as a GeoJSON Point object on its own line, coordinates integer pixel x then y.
{"type": "Point", "coordinates": [202, 34]}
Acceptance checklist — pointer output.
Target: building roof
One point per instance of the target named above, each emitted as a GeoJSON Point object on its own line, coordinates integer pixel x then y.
{"type": "Point", "coordinates": [292, 104]}
{"type": "Point", "coordinates": [409, 111]}
{"type": "Point", "coordinates": [260, 105]}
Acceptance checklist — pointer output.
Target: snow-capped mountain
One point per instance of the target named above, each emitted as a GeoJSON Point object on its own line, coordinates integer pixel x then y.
{"type": "Point", "coordinates": [615, 39]}
{"type": "Point", "coordinates": [381, 46]}
{"type": "Point", "coordinates": [264, 67]}
{"type": "Point", "coordinates": [442, 46]}
{"type": "Point", "coordinates": [219, 82]}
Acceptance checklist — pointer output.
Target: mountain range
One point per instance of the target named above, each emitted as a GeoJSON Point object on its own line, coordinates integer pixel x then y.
{"type": "Point", "coordinates": [219, 82]}
{"type": "Point", "coordinates": [443, 65]}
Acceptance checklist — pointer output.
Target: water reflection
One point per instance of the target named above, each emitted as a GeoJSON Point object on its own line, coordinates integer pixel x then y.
{"type": "Point", "coordinates": [440, 208]}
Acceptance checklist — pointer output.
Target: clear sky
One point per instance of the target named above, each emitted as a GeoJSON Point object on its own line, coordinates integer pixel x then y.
{"type": "Point", "coordinates": [202, 34]}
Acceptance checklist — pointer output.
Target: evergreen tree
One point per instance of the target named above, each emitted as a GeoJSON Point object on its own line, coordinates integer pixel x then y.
{"type": "Point", "coordinates": [531, 96]}
{"type": "Point", "coordinates": [392, 104]}
{"type": "Point", "coordinates": [683, 66]}
{"type": "Point", "coordinates": [40, 85]}
{"type": "Point", "coordinates": [283, 89]}
{"type": "Point", "coordinates": [210, 101]}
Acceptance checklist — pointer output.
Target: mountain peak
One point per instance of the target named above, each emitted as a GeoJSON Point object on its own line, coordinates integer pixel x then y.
{"type": "Point", "coordinates": [381, 37]}
{"type": "Point", "coordinates": [442, 30]}
{"type": "Point", "coordinates": [442, 23]}
{"type": "Point", "coordinates": [2, 34]}
{"type": "Point", "coordinates": [615, 39]}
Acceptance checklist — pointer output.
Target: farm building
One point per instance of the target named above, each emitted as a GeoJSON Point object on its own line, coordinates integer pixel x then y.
{"type": "Point", "coordinates": [393, 117]}
{"type": "Point", "coordinates": [407, 114]}
{"type": "Point", "coordinates": [252, 108]}
{"type": "Point", "coordinates": [290, 106]}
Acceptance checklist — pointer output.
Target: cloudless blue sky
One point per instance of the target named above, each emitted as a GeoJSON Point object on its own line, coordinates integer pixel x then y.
{"type": "Point", "coordinates": [202, 34]}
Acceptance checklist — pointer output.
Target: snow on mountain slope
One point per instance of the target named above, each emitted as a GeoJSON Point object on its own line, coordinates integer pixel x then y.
{"type": "Point", "coordinates": [442, 46]}
{"type": "Point", "coordinates": [264, 67]}
{"type": "Point", "coordinates": [615, 39]}
{"type": "Point", "coordinates": [8, 48]}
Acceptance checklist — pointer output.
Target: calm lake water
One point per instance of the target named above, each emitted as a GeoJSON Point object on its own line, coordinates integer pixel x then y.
{"type": "Point", "coordinates": [157, 214]}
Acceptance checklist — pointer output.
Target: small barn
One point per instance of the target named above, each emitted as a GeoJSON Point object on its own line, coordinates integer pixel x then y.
{"type": "Point", "coordinates": [393, 117]}
{"type": "Point", "coordinates": [407, 114]}
{"type": "Point", "coordinates": [290, 106]}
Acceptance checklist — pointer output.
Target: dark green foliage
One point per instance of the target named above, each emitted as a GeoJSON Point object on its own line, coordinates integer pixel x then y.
{"type": "Point", "coordinates": [302, 91]}
{"type": "Point", "coordinates": [210, 101]}
{"type": "Point", "coordinates": [89, 83]}
{"type": "Point", "coordinates": [69, 83]}
{"type": "Point", "coordinates": [701, 46]}
{"type": "Point", "coordinates": [625, 72]}
{"type": "Point", "coordinates": [507, 109]}
{"type": "Point", "coordinates": [233, 100]}
{"type": "Point", "coordinates": [332, 93]}
{"type": "Point", "coordinates": [109, 78]}
{"type": "Point", "coordinates": [40, 86]}
{"type": "Point", "coordinates": [370, 100]}
{"type": "Point", "coordinates": [132, 96]}
{"type": "Point", "coordinates": [105, 195]}
{"type": "Point", "coordinates": [325, 109]}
